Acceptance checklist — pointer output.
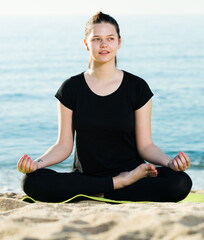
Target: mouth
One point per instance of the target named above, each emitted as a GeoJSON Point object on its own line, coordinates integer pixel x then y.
{"type": "Point", "coordinates": [104, 52]}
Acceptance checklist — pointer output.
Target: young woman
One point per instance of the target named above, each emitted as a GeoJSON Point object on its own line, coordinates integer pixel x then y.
{"type": "Point", "coordinates": [110, 112]}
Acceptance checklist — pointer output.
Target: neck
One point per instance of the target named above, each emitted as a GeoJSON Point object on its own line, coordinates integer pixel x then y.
{"type": "Point", "coordinates": [104, 71]}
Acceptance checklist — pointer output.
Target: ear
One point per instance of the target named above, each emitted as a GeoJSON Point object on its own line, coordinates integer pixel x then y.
{"type": "Point", "coordinates": [119, 43]}
{"type": "Point", "coordinates": [86, 44]}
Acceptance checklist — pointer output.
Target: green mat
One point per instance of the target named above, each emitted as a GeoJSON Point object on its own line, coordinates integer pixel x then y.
{"type": "Point", "coordinates": [192, 197]}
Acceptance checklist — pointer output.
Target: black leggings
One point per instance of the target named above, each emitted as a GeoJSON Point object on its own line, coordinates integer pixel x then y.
{"type": "Point", "coordinates": [50, 186]}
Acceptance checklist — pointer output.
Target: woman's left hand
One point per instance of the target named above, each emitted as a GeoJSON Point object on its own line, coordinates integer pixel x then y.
{"type": "Point", "coordinates": [180, 163]}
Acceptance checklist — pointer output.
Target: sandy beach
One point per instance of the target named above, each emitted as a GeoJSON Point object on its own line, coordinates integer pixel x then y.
{"type": "Point", "coordinates": [88, 219]}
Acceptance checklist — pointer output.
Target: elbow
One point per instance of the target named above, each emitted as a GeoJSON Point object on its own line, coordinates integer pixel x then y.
{"type": "Point", "coordinates": [142, 148]}
{"type": "Point", "coordinates": [65, 148]}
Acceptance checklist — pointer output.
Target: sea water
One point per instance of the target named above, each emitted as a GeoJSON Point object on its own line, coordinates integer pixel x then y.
{"type": "Point", "coordinates": [38, 53]}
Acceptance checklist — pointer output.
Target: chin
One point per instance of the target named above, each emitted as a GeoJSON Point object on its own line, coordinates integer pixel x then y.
{"type": "Point", "coordinates": [107, 60]}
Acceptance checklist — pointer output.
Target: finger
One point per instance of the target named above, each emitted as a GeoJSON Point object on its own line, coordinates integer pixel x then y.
{"type": "Point", "coordinates": [175, 164]}
{"type": "Point", "coordinates": [23, 166]}
{"type": "Point", "coordinates": [19, 163]}
{"type": "Point", "coordinates": [187, 159]}
{"type": "Point", "coordinates": [183, 157]}
{"type": "Point", "coordinates": [27, 165]}
{"type": "Point", "coordinates": [183, 160]}
{"type": "Point", "coordinates": [180, 164]}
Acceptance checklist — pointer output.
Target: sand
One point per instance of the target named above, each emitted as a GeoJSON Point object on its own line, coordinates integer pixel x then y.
{"type": "Point", "coordinates": [87, 219]}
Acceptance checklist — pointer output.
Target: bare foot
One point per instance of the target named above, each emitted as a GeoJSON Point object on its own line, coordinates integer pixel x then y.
{"type": "Point", "coordinates": [127, 178]}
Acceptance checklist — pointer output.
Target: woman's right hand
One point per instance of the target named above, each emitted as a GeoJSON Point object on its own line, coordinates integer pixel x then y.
{"type": "Point", "coordinates": [26, 165]}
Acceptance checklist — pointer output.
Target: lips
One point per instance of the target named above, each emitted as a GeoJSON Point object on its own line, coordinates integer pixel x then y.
{"type": "Point", "coordinates": [104, 52]}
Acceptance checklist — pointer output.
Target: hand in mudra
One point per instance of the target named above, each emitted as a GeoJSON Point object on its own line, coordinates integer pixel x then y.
{"type": "Point", "coordinates": [26, 165]}
{"type": "Point", "coordinates": [180, 163]}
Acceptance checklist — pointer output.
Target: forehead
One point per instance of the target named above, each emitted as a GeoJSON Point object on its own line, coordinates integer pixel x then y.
{"type": "Point", "coordinates": [103, 29]}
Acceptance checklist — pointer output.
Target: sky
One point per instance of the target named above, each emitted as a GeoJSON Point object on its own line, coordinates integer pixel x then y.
{"type": "Point", "coordinates": [90, 7]}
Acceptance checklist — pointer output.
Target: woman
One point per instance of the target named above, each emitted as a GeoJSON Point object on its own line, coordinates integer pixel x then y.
{"type": "Point", "coordinates": [110, 111]}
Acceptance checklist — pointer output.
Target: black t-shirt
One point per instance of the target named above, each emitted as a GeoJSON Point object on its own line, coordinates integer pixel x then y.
{"type": "Point", "coordinates": [105, 125]}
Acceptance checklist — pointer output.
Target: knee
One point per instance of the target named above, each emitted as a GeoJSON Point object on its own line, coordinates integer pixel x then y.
{"type": "Point", "coordinates": [26, 183]}
{"type": "Point", "coordinates": [30, 182]}
{"type": "Point", "coordinates": [182, 186]}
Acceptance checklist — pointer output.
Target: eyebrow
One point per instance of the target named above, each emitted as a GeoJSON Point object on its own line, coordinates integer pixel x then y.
{"type": "Point", "coordinates": [100, 35]}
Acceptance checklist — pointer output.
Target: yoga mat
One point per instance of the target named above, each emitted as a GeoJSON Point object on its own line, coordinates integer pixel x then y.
{"type": "Point", "coordinates": [192, 198]}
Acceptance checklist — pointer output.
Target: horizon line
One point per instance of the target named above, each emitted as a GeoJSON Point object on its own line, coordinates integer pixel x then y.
{"type": "Point", "coordinates": [116, 14]}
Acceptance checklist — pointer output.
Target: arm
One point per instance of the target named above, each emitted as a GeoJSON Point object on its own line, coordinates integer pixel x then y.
{"type": "Point", "coordinates": [147, 149]}
{"type": "Point", "coordinates": [59, 151]}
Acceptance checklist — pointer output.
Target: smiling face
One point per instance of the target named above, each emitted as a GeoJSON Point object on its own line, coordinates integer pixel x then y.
{"type": "Point", "coordinates": [103, 42]}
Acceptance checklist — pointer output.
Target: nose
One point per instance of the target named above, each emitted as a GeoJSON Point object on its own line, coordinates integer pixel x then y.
{"type": "Point", "coordinates": [103, 43]}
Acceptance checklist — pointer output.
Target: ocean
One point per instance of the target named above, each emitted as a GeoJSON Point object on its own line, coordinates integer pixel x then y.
{"type": "Point", "coordinates": [37, 53]}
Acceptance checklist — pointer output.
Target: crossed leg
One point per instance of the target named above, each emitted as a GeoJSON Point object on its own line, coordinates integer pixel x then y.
{"type": "Point", "coordinates": [168, 186]}
{"type": "Point", "coordinates": [50, 186]}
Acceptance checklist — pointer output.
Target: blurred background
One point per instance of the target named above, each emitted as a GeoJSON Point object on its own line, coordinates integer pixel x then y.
{"type": "Point", "coordinates": [41, 45]}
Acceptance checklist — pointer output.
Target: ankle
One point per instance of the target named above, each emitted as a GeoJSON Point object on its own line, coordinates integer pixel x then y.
{"type": "Point", "coordinates": [118, 182]}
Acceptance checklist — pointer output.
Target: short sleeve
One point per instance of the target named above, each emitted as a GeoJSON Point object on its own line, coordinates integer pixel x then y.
{"type": "Point", "coordinates": [65, 94]}
{"type": "Point", "coordinates": [143, 94]}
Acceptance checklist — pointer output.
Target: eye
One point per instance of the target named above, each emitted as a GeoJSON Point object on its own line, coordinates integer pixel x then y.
{"type": "Point", "coordinates": [96, 39]}
{"type": "Point", "coordinates": [111, 38]}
